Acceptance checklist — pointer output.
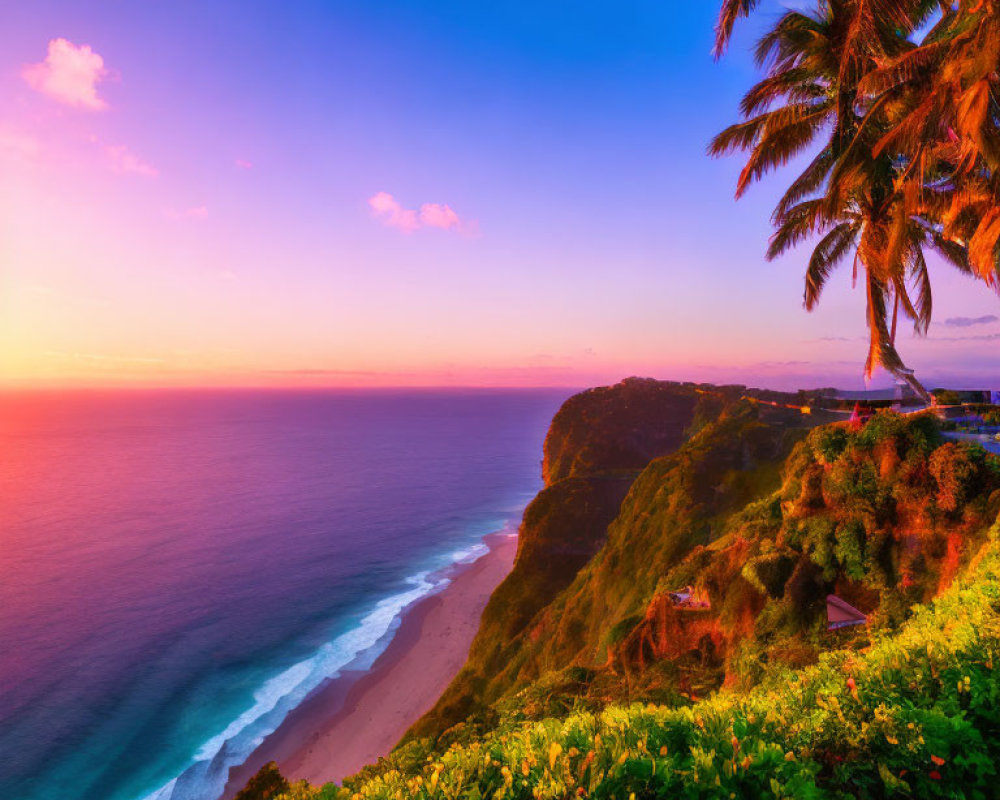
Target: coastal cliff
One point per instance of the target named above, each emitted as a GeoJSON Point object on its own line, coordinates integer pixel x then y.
{"type": "Point", "coordinates": [620, 428]}
{"type": "Point", "coordinates": [695, 562]}
{"type": "Point", "coordinates": [599, 442]}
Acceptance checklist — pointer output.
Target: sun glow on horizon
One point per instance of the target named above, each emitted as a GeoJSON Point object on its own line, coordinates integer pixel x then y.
{"type": "Point", "coordinates": [180, 212]}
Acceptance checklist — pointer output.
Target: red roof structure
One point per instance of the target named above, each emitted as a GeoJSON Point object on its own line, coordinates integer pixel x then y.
{"type": "Point", "coordinates": [841, 614]}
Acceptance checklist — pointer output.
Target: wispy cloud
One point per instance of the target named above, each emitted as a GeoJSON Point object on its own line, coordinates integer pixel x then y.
{"type": "Point", "coordinates": [430, 215]}
{"type": "Point", "coordinates": [982, 337]}
{"type": "Point", "coordinates": [242, 163]}
{"type": "Point", "coordinates": [968, 322]}
{"type": "Point", "coordinates": [69, 74]}
{"type": "Point", "coordinates": [125, 161]}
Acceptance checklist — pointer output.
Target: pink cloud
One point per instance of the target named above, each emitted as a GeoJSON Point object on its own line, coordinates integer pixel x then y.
{"type": "Point", "coordinates": [430, 215]}
{"type": "Point", "coordinates": [69, 74]}
{"type": "Point", "coordinates": [439, 216]}
{"type": "Point", "coordinates": [125, 161]}
{"type": "Point", "coordinates": [243, 164]}
{"type": "Point", "coordinates": [388, 209]}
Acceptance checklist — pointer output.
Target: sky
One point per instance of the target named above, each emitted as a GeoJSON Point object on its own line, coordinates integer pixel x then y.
{"type": "Point", "coordinates": [442, 193]}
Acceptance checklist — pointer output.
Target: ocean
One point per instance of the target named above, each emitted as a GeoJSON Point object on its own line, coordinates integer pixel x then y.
{"type": "Point", "coordinates": [178, 569]}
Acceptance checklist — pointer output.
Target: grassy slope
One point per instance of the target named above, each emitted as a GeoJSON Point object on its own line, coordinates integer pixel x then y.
{"type": "Point", "coordinates": [916, 714]}
{"type": "Point", "coordinates": [597, 444]}
{"type": "Point", "coordinates": [680, 501]}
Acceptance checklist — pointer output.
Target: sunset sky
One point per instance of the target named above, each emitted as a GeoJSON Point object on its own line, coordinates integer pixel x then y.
{"type": "Point", "coordinates": [404, 193]}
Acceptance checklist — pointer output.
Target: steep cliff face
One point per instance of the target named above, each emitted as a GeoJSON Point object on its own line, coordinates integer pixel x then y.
{"type": "Point", "coordinates": [619, 428]}
{"type": "Point", "coordinates": [680, 501]}
{"type": "Point", "coordinates": [597, 445]}
{"type": "Point", "coordinates": [758, 514]}
{"type": "Point", "coordinates": [561, 530]}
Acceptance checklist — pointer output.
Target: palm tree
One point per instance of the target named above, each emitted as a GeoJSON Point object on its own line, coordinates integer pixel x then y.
{"type": "Point", "coordinates": [867, 17]}
{"type": "Point", "coordinates": [848, 193]}
{"type": "Point", "coordinates": [943, 94]}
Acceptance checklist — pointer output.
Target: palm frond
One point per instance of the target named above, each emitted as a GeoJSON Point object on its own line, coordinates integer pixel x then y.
{"type": "Point", "coordinates": [925, 300]}
{"type": "Point", "coordinates": [825, 258]}
{"type": "Point", "coordinates": [787, 134]}
{"type": "Point", "coordinates": [787, 41]}
{"type": "Point", "coordinates": [983, 247]}
{"type": "Point", "coordinates": [906, 128]}
{"type": "Point", "coordinates": [811, 180]}
{"type": "Point", "coordinates": [801, 221]}
{"type": "Point", "coordinates": [795, 85]}
{"type": "Point", "coordinates": [730, 12]}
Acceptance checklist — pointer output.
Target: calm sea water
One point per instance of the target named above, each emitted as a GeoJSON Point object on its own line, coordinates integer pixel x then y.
{"type": "Point", "coordinates": [178, 569]}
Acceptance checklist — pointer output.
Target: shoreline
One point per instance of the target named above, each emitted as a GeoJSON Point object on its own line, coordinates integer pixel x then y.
{"type": "Point", "coordinates": [360, 715]}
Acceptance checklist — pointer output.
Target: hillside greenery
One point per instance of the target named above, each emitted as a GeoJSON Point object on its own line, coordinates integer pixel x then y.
{"type": "Point", "coordinates": [594, 545]}
{"type": "Point", "coordinates": [763, 519]}
{"type": "Point", "coordinates": [599, 443]}
{"type": "Point", "coordinates": [915, 714]}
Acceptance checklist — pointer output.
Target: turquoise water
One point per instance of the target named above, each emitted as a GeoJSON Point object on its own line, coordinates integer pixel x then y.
{"type": "Point", "coordinates": [180, 568]}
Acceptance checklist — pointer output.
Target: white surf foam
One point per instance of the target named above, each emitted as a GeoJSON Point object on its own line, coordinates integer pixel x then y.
{"type": "Point", "coordinates": [469, 554]}
{"type": "Point", "coordinates": [205, 778]}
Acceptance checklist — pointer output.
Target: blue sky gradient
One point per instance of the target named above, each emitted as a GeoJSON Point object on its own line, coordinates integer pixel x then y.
{"type": "Point", "coordinates": [593, 239]}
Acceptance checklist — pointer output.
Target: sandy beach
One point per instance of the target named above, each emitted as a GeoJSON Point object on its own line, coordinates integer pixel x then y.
{"type": "Point", "coordinates": [358, 717]}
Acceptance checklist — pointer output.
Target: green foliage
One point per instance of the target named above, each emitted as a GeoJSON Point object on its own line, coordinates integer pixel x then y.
{"type": "Point", "coordinates": [621, 428]}
{"type": "Point", "coordinates": [267, 784]}
{"type": "Point", "coordinates": [829, 442]}
{"type": "Point", "coordinates": [850, 549]}
{"type": "Point", "coordinates": [622, 628]}
{"type": "Point", "coordinates": [769, 572]}
{"type": "Point", "coordinates": [914, 432]}
{"type": "Point", "coordinates": [917, 714]}
{"type": "Point", "coordinates": [946, 397]}
{"type": "Point", "coordinates": [960, 469]}
{"type": "Point", "coordinates": [864, 514]}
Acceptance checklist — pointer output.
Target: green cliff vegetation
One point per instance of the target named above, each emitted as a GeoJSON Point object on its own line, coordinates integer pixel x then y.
{"type": "Point", "coordinates": [669, 637]}
{"type": "Point", "coordinates": [679, 502]}
{"type": "Point", "coordinates": [916, 714]}
{"type": "Point", "coordinates": [598, 443]}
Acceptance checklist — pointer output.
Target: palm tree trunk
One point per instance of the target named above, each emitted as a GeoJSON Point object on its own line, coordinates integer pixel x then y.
{"type": "Point", "coordinates": [910, 379]}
